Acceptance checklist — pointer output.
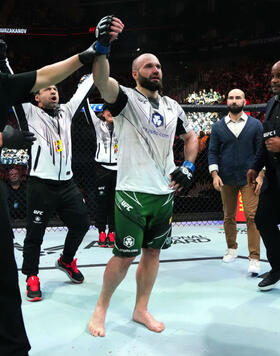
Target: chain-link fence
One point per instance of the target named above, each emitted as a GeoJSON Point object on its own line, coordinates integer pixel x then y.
{"type": "Point", "coordinates": [200, 203]}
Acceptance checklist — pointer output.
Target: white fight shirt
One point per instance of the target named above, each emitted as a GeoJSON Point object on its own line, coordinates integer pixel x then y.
{"type": "Point", "coordinates": [106, 142]}
{"type": "Point", "coordinates": [51, 153]}
{"type": "Point", "coordinates": [145, 137]}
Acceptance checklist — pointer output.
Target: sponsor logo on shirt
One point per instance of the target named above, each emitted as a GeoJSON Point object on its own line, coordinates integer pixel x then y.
{"type": "Point", "coordinates": [156, 133]}
{"type": "Point", "coordinates": [157, 119]}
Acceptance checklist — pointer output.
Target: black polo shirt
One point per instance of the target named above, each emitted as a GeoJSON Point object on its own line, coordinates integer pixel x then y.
{"type": "Point", "coordinates": [14, 89]}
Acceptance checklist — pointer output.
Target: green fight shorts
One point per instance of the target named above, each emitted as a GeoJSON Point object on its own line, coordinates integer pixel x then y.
{"type": "Point", "coordinates": [142, 220]}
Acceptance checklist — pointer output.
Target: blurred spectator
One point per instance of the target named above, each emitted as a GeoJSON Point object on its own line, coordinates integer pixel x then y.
{"type": "Point", "coordinates": [17, 193]}
{"type": "Point", "coordinates": [202, 141]}
{"type": "Point", "coordinates": [202, 121]}
{"type": "Point", "coordinates": [246, 74]}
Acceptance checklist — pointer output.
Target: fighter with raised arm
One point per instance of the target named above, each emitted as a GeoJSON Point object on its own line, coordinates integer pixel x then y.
{"type": "Point", "coordinates": [145, 124]}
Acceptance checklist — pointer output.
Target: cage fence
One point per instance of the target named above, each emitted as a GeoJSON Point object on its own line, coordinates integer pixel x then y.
{"type": "Point", "coordinates": [201, 204]}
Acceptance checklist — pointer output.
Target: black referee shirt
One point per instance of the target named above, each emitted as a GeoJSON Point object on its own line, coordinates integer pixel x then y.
{"type": "Point", "coordinates": [14, 89]}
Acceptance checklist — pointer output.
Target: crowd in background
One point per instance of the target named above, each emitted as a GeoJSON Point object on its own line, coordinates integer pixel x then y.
{"type": "Point", "coordinates": [253, 77]}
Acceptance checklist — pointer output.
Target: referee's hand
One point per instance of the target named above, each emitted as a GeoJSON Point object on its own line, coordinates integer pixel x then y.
{"type": "Point", "coordinates": [13, 138]}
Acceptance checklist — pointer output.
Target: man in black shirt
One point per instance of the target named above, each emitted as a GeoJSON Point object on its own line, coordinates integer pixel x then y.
{"type": "Point", "coordinates": [13, 339]}
{"type": "Point", "coordinates": [268, 213]}
{"type": "Point", "coordinates": [14, 89]}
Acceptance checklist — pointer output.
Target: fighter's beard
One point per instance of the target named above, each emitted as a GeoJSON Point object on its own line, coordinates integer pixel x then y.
{"type": "Point", "coordinates": [148, 84]}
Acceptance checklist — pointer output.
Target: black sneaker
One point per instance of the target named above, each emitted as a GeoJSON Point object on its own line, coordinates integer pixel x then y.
{"type": "Point", "coordinates": [70, 269]}
{"type": "Point", "coordinates": [33, 292]}
{"type": "Point", "coordinates": [269, 281]}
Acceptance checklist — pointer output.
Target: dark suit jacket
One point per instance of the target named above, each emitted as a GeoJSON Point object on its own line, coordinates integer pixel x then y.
{"type": "Point", "coordinates": [234, 156]}
{"type": "Point", "coordinates": [271, 161]}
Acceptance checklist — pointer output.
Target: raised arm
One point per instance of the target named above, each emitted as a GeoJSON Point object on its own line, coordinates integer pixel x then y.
{"type": "Point", "coordinates": [56, 72]}
{"type": "Point", "coordinates": [107, 31]}
{"type": "Point", "coordinates": [107, 86]}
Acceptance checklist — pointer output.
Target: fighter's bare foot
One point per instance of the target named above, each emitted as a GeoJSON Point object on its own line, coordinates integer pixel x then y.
{"type": "Point", "coordinates": [97, 321]}
{"type": "Point", "coordinates": [145, 318]}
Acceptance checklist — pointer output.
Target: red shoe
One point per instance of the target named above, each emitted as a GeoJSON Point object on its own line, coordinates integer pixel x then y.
{"type": "Point", "coordinates": [111, 238]}
{"type": "Point", "coordinates": [70, 269]}
{"type": "Point", "coordinates": [102, 242]}
{"type": "Point", "coordinates": [33, 292]}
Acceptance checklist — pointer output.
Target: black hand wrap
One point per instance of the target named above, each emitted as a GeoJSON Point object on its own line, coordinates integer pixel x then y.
{"type": "Point", "coordinates": [13, 138]}
{"type": "Point", "coordinates": [183, 175]}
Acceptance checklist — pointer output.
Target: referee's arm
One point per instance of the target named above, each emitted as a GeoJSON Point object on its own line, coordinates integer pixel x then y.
{"type": "Point", "coordinates": [56, 72]}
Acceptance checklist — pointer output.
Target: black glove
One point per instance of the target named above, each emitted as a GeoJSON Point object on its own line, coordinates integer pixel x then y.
{"type": "Point", "coordinates": [13, 138]}
{"type": "Point", "coordinates": [183, 175]}
{"type": "Point", "coordinates": [102, 34]}
{"type": "Point", "coordinates": [102, 45]}
{"type": "Point", "coordinates": [88, 55]}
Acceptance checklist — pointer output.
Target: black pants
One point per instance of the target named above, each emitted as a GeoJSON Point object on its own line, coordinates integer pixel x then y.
{"type": "Point", "coordinates": [267, 218]}
{"type": "Point", "coordinates": [105, 198]}
{"type": "Point", "coordinates": [43, 198]}
{"type": "Point", "coordinates": [13, 339]}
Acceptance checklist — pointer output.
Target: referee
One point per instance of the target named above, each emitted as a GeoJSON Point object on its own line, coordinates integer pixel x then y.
{"type": "Point", "coordinates": [50, 186]}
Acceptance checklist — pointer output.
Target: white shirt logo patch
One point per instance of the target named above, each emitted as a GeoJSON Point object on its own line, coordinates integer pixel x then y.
{"type": "Point", "coordinates": [157, 119]}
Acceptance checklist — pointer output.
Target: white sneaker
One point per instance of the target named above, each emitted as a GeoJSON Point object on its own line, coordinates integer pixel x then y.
{"type": "Point", "coordinates": [254, 266]}
{"type": "Point", "coordinates": [230, 255]}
